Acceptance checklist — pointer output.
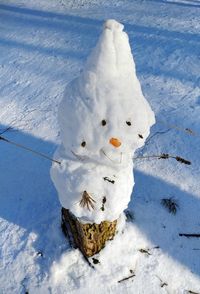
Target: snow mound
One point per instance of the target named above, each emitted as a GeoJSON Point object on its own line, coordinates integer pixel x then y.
{"type": "Point", "coordinates": [103, 119]}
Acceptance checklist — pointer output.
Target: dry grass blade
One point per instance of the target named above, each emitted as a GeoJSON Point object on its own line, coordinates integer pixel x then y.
{"type": "Point", "coordinates": [87, 201]}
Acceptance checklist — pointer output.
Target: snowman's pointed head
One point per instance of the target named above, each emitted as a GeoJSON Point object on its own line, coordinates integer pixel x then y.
{"type": "Point", "coordinates": [104, 116]}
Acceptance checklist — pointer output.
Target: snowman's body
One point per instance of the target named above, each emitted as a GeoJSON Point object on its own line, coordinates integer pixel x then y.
{"type": "Point", "coordinates": [104, 118]}
{"type": "Point", "coordinates": [110, 188]}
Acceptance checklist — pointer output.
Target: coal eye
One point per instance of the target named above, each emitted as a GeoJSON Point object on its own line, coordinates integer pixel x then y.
{"type": "Point", "coordinates": [103, 122]}
{"type": "Point", "coordinates": [140, 136]}
{"type": "Point", "coordinates": [83, 144]}
{"type": "Point", "coordinates": [128, 123]}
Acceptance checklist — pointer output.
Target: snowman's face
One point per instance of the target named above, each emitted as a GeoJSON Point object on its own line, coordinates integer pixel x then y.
{"type": "Point", "coordinates": [108, 134]}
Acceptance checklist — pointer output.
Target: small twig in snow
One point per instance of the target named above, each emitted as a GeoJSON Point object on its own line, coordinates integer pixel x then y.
{"type": "Point", "coordinates": [87, 260]}
{"type": "Point", "coordinates": [156, 247]}
{"type": "Point", "coordinates": [162, 284]}
{"type": "Point", "coordinates": [146, 251]}
{"type": "Point", "coordinates": [127, 278]}
{"type": "Point", "coordinates": [103, 203]}
{"type": "Point", "coordinates": [109, 180]}
{"type": "Point", "coordinates": [192, 292]}
{"type": "Point", "coordinates": [189, 235]}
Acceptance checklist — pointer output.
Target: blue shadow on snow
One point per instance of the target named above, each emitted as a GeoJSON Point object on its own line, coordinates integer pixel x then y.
{"type": "Point", "coordinates": [56, 24]}
{"type": "Point", "coordinates": [28, 199]}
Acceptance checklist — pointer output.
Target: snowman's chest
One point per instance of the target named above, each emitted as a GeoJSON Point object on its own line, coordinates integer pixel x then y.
{"type": "Point", "coordinates": [100, 181]}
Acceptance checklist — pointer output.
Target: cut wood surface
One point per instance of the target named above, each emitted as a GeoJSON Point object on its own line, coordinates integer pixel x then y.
{"type": "Point", "coordinates": [89, 238]}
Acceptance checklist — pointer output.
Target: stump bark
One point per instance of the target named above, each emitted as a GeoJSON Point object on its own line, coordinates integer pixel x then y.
{"type": "Point", "coordinates": [89, 238]}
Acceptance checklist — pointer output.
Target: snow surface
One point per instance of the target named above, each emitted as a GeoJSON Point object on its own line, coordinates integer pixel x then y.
{"type": "Point", "coordinates": [43, 45]}
{"type": "Point", "coordinates": [104, 104]}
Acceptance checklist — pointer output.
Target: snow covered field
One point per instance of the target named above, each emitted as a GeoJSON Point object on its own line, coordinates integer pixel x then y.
{"type": "Point", "coordinates": [43, 46]}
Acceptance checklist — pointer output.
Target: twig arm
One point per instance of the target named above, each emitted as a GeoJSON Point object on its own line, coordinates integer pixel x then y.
{"type": "Point", "coordinates": [29, 149]}
{"type": "Point", "coordinates": [164, 156]}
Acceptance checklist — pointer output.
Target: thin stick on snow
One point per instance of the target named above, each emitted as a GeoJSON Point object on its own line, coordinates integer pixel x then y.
{"type": "Point", "coordinates": [192, 292]}
{"type": "Point", "coordinates": [164, 156]}
{"type": "Point", "coordinates": [162, 284]}
{"type": "Point", "coordinates": [6, 130]}
{"type": "Point", "coordinates": [189, 235]}
{"type": "Point", "coordinates": [29, 149]}
{"type": "Point", "coordinates": [127, 278]}
{"type": "Point", "coordinates": [188, 131]}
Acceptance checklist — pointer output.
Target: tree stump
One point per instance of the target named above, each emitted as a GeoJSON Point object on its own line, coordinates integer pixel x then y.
{"type": "Point", "coordinates": [89, 238]}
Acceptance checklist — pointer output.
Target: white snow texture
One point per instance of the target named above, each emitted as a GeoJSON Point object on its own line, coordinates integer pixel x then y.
{"type": "Point", "coordinates": [103, 119]}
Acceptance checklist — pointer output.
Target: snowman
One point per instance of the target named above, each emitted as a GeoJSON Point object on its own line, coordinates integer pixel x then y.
{"type": "Point", "coordinates": [103, 119]}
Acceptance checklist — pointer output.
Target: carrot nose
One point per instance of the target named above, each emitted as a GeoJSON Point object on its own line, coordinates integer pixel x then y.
{"type": "Point", "coordinates": [115, 142]}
